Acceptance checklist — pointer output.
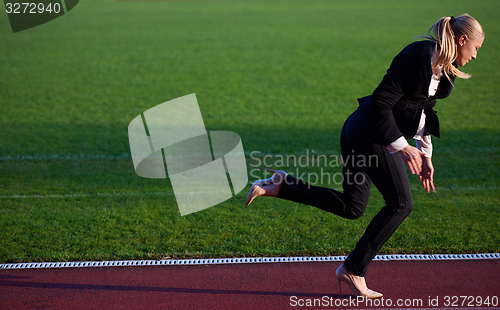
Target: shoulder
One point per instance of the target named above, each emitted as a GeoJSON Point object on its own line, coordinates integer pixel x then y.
{"type": "Point", "coordinates": [413, 62]}
{"type": "Point", "coordinates": [419, 50]}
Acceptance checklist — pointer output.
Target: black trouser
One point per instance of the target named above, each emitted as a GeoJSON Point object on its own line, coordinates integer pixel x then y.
{"type": "Point", "coordinates": [385, 170]}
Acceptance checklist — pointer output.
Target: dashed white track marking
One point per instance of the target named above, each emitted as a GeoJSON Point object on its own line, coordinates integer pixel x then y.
{"type": "Point", "coordinates": [242, 260]}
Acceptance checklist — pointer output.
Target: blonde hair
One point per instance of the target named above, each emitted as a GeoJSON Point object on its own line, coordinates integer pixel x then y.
{"type": "Point", "coordinates": [444, 32]}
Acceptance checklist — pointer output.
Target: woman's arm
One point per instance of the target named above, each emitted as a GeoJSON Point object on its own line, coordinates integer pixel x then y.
{"type": "Point", "coordinates": [427, 175]}
{"type": "Point", "coordinates": [413, 158]}
{"type": "Point", "coordinates": [386, 95]}
{"type": "Point", "coordinates": [424, 144]}
{"type": "Point", "coordinates": [383, 100]}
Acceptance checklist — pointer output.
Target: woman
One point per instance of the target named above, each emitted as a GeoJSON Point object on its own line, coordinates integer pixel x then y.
{"type": "Point", "coordinates": [400, 108]}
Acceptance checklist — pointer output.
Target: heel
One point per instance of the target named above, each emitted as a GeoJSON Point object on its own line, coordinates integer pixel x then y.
{"type": "Point", "coordinates": [278, 175]}
{"type": "Point", "coordinates": [343, 275]}
{"type": "Point", "coordinates": [340, 287]}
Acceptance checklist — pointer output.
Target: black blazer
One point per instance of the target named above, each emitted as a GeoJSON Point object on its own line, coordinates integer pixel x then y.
{"type": "Point", "coordinates": [395, 107]}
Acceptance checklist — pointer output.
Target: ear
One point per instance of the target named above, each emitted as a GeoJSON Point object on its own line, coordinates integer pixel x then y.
{"type": "Point", "coordinates": [461, 40]}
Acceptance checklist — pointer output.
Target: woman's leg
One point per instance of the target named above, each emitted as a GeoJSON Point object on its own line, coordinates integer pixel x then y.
{"type": "Point", "coordinates": [350, 204]}
{"type": "Point", "coordinates": [391, 179]}
{"type": "Point", "coordinates": [371, 161]}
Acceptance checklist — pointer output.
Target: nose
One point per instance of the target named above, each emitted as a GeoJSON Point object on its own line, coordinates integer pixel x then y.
{"type": "Point", "coordinates": [474, 56]}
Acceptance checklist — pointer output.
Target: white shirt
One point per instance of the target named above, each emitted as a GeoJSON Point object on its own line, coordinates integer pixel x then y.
{"type": "Point", "coordinates": [422, 142]}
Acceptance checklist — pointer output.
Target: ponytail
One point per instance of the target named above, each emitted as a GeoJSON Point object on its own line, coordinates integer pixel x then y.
{"type": "Point", "coordinates": [444, 32]}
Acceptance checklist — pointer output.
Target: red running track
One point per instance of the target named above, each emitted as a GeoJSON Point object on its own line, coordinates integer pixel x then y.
{"type": "Point", "coordinates": [419, 284]}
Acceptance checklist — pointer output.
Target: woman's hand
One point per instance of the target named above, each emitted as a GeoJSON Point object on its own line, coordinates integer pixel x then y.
{"type": "Point", "coordinates": [427, 174]}
{"type": "Point", "coordinates": [413, 158]}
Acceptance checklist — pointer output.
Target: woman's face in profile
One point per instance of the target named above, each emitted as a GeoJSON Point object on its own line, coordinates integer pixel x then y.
{"type": "Point", "coordinates": [467, 49]}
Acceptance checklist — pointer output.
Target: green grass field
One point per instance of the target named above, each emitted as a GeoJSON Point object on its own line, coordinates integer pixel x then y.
{"type": "Point", "coordinates": [284, 75]}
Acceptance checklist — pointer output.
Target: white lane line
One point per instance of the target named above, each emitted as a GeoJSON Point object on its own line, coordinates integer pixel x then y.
{"type": "Point", "coordinates": [114, 194]}
{"type": "Point", "coordinates": [243, 260]}
{"type": "Point", "coordinates": [35, 157]}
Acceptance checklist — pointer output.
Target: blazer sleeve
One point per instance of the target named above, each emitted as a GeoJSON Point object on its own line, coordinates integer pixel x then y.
{"type": "Point", "coordinates": [386, 96]}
